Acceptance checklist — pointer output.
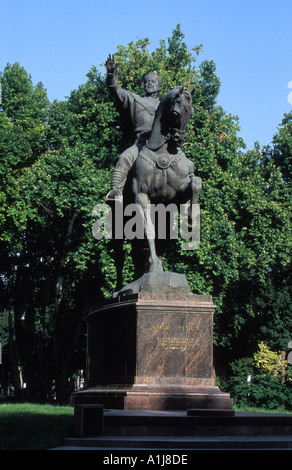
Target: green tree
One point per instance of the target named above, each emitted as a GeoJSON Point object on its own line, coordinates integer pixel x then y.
{"type": "Point", "coordinates": [94, 120]}
{"type": "Point", "coordinates": [257, 305]}
{"type": "Point", "coordinates": [59, 188]}
{"type": "Point", "coordinates": [25, 105]}
{"type": "Point", "coordinates": [281, 151]}
{"type": "Point", "coordinates": [23, 114]}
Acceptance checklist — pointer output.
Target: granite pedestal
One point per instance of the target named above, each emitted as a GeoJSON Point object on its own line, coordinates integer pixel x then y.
{"type": "Point", "coordinates": [149, 350]}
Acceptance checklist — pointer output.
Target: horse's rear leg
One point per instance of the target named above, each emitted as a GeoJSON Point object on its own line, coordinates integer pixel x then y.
{"type": "Point", "coordinates": [119, 259]}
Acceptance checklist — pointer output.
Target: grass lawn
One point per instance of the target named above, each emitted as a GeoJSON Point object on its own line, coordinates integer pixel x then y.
{"type": "Point", "coordinates": [31, 426]}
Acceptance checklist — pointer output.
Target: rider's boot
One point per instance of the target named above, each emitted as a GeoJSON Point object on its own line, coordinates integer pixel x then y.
{"type": "Point", "coordinates": [117, 185]}
{"type": "Point", "coordinates": [119, 177]}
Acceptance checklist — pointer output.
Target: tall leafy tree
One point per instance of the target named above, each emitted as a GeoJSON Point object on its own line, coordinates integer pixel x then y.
{"type": "Point", "coordinates": [23, 115]}
{"type": "Point", "coordinates": [257, 304]}
{"type": "Point", "coordinates": [281, 150]}
{"type": "Point", "coordinates": [60, 188]}
{"type": "Point", "coordinates": [25, 105]}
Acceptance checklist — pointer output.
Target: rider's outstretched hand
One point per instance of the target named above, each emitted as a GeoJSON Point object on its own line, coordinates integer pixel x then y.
{"type": "Point", "coordinates": [111, 65]}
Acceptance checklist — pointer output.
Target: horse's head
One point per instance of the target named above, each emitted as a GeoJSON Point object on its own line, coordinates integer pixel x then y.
{"type": "Point", "coordinates": [172, 118]}
{"type": "Point", "coordinates": [179, 114]}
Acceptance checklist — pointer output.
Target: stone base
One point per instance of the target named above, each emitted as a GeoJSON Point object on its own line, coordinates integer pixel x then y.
{"type": "Point", "coordinates": [156, 398]}
{"type": "Point", "coordinates": [154, 351]}
{"type": "Point", "coordinates": [157, 283]}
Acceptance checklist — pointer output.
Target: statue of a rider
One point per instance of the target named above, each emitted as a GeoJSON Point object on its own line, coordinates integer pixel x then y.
{"type": "Point", "coordinates": [141, 111]}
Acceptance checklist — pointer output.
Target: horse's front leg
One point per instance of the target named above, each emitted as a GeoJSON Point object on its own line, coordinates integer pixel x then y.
{"type": "Point", "coordinates": [196, 186]}
{"type": "Point", "coordinates": [144, 205]}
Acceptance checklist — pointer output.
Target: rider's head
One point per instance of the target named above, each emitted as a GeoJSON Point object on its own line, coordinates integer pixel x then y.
{"type": "Point", "coordinates": [152, 83]}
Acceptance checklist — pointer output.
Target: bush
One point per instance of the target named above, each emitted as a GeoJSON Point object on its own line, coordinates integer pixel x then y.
{"type": "Point", "coordinates": [270, 384]}
{"type": "Point", "coordinates": [264, 391]}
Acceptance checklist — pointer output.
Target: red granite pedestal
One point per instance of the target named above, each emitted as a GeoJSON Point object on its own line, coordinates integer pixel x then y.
{"type": "Point", "coordinates": [152, 351]}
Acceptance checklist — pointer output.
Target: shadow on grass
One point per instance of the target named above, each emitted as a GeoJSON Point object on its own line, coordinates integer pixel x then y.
{"type": "Point", "coordinates": [27, 426]}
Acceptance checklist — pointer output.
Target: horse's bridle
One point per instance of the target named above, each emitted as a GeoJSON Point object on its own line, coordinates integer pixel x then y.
{"type": "Point", "coordinates": [175, 133]}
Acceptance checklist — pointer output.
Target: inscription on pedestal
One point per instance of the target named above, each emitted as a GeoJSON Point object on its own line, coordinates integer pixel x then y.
{"type": "Point", "coordinates": [174, 344]}
{"type": "Point", "coordinates": [177, 339]}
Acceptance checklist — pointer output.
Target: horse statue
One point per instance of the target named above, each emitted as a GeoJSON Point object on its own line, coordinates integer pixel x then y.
{"type": "Point", "coordinates": [162, 173]}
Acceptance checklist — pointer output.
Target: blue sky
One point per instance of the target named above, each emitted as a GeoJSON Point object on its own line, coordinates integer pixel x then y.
{"type": "Point", "coordinates": [57, 42]}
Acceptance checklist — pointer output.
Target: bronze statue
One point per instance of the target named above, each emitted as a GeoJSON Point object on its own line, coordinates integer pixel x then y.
{"type": "Point", "coordinates": [154, 169]}
{"type": "Point", "coordinates": [162, 173]}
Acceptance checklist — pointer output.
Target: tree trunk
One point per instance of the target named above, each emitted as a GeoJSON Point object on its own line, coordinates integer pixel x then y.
{"type": "Point", "coordinates": [14, 372]}
{"type": "Point", "coordinates": [61, 379]}
{"type": "Point", "coordinates": [43, 390]}
{"type": "Point", "coordinates": [62, 394]}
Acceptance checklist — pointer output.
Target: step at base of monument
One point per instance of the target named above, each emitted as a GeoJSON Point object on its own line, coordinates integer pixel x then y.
{"type": "Point", "coordinates": [204, 423]}
{"type": "Point", "coordinates": [180, 443]}
{"type": "Point", "coordinates": [180, 430]}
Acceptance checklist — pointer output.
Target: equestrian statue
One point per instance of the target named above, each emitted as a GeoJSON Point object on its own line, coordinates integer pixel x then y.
{"type": "Point", "coordinates": [154, 169]}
